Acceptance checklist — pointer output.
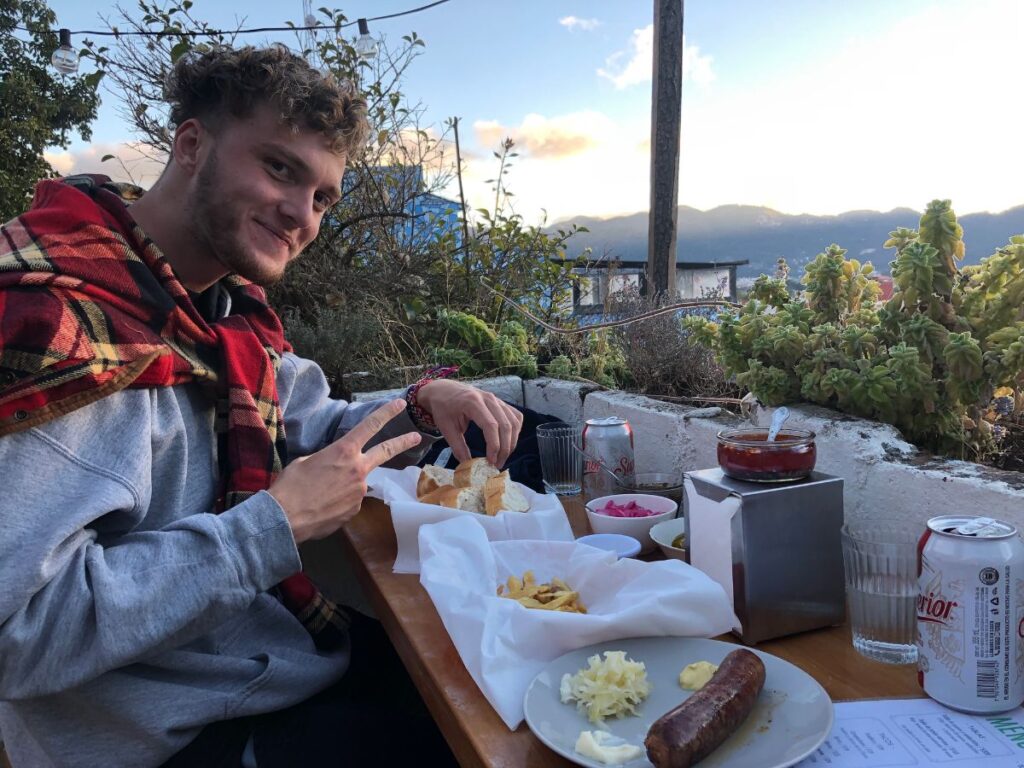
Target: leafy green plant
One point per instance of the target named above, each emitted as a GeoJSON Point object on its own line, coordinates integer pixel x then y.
{"type": "Point", "coordinates": [604, 362]}
{"type": "Point", "coordinates": [526, 263]}
{"type": "Point", "coordinates": [481, 349]}
{"type": "Point", "coordinates": [929, 360]}
{"type": "Point", "coordinates": [478, 349]}
{"type": "Point", "coordinates": [596, 357]}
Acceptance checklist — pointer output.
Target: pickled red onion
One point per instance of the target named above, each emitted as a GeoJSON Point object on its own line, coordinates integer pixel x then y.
{"type": "Point", "coordinates": [629, 509]}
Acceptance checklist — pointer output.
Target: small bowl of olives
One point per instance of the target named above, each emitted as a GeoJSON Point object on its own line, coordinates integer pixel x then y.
{"type": "Point", "coordinates": [670, 536]}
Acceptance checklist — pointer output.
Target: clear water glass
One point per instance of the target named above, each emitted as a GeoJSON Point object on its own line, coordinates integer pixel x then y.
{"type": "Point", "coordinates": [881, 588]}
{"type": "Point", "coordinates": [561, 463]}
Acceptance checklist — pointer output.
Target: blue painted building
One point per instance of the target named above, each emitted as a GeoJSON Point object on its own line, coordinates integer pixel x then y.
{"type": "Point", "coordinates": [421, 216]}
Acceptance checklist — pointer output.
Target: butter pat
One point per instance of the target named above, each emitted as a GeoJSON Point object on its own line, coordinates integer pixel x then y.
{"type": "Point", "coordinates": [608, 749]}
{"type": "Point", "coordinates": [696, 675]}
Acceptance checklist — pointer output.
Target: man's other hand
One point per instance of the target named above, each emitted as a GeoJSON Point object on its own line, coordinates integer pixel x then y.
{"type": "Point", "coordinates": [452, 405]}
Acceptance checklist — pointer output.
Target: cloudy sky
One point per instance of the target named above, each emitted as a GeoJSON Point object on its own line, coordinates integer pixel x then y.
{"type": "Point", "coordinates": [805, 106]}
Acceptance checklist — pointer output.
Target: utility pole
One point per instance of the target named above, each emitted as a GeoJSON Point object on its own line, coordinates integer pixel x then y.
{"type": "Point", "coordinates": [462, 201]}
{"type": "Point", "coordinates": [666, 108]}
{"type": "Point", "coordinates": [458, 172]}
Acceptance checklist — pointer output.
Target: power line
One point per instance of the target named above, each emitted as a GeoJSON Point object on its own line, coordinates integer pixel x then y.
{"type": "Point", "coordinates": [213, 32]}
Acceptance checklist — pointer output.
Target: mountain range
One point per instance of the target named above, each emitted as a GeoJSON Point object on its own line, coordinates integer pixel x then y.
{"type": "Point", "coordinates": [762, 235]}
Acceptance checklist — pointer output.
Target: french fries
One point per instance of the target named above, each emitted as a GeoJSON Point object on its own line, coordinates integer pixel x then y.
{"type": "Point", "coordinates": [556, 596]}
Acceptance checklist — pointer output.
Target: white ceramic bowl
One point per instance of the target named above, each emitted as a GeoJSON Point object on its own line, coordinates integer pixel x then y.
{"type": "Point", "coordinates": [623, 546]}
{"type": "Point", "coordinates": [664, 532]}
{"type": "Point", "coordinates": [637, 527]}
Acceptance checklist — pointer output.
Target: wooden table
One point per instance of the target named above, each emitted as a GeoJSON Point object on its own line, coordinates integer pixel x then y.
{"type": "Point", "coordinates": [474, 731]}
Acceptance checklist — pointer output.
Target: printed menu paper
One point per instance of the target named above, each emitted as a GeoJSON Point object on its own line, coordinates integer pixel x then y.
{"type": "Point", "coordinates": [919, 732]}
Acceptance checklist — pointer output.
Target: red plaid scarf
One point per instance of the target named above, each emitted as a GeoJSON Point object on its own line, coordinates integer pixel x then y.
{"type": "Point", "coordinates": [89, 306]}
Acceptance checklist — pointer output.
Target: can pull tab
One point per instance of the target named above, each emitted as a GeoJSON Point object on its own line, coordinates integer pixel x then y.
{"type": "Point", "coordinates": [978, 527]}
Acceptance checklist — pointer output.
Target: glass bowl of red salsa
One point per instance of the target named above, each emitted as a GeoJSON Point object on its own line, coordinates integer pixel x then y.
{"type": "Point", "coordinates": [744, 453]}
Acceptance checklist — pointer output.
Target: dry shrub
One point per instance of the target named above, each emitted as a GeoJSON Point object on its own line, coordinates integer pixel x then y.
{"type": "Point", "coordinates": [661, 356]}
{"type": "Point", "coordinates": [338, 340]}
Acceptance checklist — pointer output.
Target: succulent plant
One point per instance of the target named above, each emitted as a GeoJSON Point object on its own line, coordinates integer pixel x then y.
{"type": "Point", "coordinates": [928, 360]}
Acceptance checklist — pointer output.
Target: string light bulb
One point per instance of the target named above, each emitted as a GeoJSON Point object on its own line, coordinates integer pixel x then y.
{"type": "Point", "coordinates": [365, 46]}
{"type": "Point", "coordinates": [64, 59]}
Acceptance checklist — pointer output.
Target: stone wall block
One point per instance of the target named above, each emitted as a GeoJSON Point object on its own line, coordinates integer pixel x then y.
{"type": "Point", "coordinates": [557, 397]}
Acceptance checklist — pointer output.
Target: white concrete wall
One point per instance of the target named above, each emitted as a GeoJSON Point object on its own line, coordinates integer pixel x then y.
{"type": "Point", "coordinates": [556, 397]}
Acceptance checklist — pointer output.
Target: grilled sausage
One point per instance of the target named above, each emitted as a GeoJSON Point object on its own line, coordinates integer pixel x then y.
{"type": "Point", "coordinates": [694, 729]}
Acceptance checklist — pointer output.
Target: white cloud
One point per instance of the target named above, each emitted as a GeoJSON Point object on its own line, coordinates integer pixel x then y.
{"type": "Point", "coordinates": [541, 137]}
{"type": "Point", "coordinates": [131, 162]}
{"type": "Point", "coordinates": [633, 65]}
{"type": "Point", "coordinates": [697, 66]}
{"type": "Point", "coordinates": [581, 162]}
{"type": "Point", "coordinates": [638, 59]}
{"type": "Point", "coordinates": [489, 133]}
{"type": "Point", "coordinates": [575, 22]}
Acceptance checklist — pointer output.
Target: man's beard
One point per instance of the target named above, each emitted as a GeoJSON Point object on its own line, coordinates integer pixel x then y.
{"type": "Point", "coordinates": [218, 227]}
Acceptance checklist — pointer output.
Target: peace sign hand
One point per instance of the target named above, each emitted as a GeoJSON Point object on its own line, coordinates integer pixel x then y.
{"type": "Point", "coordinates": [322, 491]}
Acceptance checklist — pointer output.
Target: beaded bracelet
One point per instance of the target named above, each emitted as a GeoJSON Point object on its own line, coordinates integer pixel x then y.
{"type": "Point", "coordinates": [420, 417]}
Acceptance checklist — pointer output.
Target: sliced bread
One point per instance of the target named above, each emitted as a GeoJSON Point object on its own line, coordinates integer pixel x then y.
{"type": "Point", "coordinates": [433, 477]}
{"type": "Point", "coordinates": [474, 472]}
{"type": "Point", "coordinates": [469, 499]}
{"type": "Point", "coordinates": [500, 493]}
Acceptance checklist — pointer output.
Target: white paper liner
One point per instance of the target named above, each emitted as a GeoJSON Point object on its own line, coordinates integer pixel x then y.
{"type": "Point", "coordinates": [504, 645]}
{"type": "Point", "coordinates": [397, 488]}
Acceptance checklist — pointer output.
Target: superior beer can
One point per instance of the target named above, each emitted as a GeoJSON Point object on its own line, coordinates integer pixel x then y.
{"type": "Point", "coordinates": [970, 629]}
{"type": "Point", "coordinates": [610, 442]}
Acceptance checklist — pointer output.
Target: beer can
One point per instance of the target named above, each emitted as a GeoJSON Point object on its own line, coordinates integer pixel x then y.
{"type": "Point", "coordinates": [609, 441]}
{"type": "Point", "coordinates": [970, 629]}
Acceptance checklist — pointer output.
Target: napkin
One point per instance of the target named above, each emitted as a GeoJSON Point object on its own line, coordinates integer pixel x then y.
{"type": "Point", "coordinates": [504, 645]}
{"type": "Point", "coordinates": [709, 524]}
{"type": "Point", "coordinates": [397, 488]}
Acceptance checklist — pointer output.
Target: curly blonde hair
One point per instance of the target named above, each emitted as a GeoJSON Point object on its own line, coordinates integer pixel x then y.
{"type": "Point", "coordinates": [213, 84]}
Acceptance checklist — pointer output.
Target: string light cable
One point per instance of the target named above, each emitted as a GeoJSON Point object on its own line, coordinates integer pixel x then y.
{"type": "Point", "coordinates": [65, 60]}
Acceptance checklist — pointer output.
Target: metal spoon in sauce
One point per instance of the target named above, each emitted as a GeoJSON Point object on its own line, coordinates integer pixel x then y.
{"type": "Point", "coordinates": [777, 420]}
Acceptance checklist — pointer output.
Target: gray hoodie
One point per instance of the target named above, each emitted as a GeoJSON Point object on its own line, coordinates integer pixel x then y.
{"type": "Point", "coordinates": [130, 616]}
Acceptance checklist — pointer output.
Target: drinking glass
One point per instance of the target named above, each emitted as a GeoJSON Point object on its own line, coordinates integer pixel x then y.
{"type": "Point", "coordinates": [881, 587]}
{"type": "Point", "coordinates": [561, 464]}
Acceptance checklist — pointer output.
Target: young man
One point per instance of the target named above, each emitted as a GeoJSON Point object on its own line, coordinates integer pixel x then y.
{"type": "Point", "coordinates": [153, 608]}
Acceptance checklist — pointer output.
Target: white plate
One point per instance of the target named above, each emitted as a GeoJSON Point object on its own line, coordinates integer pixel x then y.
{"type": "Point", "coordinates": [792, 717]}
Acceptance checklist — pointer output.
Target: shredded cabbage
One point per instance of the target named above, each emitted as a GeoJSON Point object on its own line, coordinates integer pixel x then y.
{"type": "Point", "coordinates": [611, 687]}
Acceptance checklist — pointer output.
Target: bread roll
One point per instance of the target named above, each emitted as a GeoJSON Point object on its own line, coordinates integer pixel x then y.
{"type": "Point", "coordinates": [433, 477]}
{"type": "Point", "coordinates": [472, 499]}
{"type": "Point", "coordinates": [474, 473]}
{"type": "Point", "coordinates": [469, 499]}
{"type": "Point", "coordinates": [500, 493]}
